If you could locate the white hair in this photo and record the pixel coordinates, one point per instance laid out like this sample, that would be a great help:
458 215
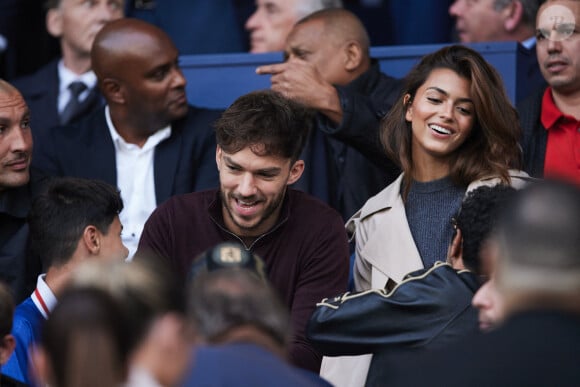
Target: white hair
306 7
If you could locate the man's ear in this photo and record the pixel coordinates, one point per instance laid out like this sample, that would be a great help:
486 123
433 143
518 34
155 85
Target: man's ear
92 239
54 22
455 255
353 56
113 91
295 172
7 345
513 14
218 157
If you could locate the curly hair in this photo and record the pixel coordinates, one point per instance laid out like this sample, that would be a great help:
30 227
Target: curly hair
477 217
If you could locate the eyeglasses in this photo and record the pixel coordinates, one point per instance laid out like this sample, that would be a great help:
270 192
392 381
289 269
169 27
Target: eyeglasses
558 32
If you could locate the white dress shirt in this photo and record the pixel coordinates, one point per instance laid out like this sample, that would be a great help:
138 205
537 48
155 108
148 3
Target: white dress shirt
136 182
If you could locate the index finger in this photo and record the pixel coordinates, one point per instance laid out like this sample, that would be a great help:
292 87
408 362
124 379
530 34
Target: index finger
270 69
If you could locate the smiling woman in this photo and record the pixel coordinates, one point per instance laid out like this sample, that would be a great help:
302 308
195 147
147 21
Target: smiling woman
452 129
441 118
453 126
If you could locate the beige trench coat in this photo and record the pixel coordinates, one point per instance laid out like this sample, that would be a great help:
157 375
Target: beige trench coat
385 252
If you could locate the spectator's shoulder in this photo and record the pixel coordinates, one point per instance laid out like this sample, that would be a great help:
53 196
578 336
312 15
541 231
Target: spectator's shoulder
197 112
318 218
532 103
37 82
26 317
191 201
308 205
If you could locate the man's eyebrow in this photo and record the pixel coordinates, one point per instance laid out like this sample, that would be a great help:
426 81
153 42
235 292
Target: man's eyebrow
270 170
229 160
4 120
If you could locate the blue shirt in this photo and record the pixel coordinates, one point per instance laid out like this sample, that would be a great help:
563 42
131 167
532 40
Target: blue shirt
245 364
28 319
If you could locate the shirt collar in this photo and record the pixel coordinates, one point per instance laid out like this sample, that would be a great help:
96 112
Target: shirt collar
141 376
120 142
529 42
43 297
550 114
67 77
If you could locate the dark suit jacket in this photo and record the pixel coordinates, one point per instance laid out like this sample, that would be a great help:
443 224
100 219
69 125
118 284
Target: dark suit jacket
40 91
20 265
534 135
536 348
342 173
528 70
183 163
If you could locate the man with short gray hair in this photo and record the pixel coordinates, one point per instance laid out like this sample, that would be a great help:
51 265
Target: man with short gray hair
65 89
503 20
495 20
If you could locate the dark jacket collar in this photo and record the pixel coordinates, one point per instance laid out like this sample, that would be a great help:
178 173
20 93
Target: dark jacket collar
366 82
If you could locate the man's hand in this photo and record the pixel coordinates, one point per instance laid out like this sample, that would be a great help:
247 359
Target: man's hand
302 82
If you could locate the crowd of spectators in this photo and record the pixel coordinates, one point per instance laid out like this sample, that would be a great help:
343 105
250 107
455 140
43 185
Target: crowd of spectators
342 227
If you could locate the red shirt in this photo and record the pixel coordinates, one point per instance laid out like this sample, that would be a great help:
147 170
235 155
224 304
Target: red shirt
563 148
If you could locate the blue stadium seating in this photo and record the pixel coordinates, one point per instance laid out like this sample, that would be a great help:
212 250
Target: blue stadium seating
216 80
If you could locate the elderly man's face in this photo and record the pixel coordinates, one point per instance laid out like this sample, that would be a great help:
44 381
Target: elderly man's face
76 22
477 20
15 140
308 42
270 24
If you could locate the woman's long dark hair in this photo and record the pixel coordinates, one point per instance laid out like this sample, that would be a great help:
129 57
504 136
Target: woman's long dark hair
492 147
